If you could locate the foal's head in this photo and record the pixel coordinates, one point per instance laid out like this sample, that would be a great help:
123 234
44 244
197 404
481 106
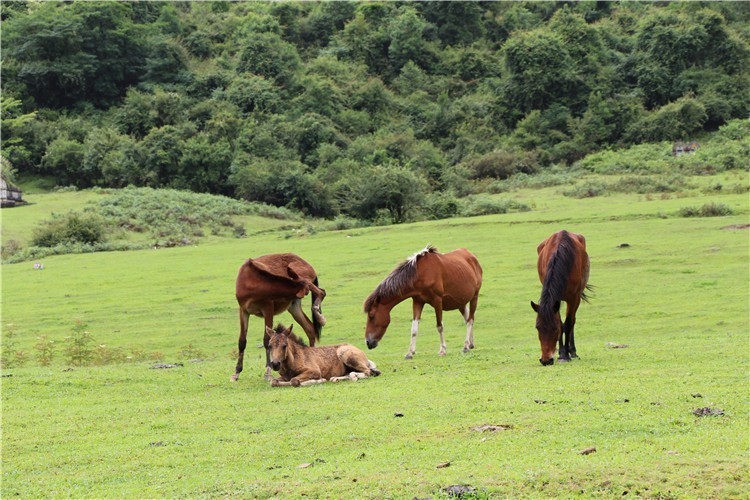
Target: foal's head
549 328
279 344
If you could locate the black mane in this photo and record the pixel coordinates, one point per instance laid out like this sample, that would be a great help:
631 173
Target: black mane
399 280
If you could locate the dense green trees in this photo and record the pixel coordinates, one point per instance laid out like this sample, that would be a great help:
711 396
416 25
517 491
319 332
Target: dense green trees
374 110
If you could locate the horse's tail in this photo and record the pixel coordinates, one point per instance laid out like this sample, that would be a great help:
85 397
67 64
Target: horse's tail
589 288
317 313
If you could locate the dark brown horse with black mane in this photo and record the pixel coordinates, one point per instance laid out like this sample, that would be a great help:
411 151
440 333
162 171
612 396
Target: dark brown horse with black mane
299 364
271 284
563 267
446 281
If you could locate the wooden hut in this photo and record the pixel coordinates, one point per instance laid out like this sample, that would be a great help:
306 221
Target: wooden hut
10 195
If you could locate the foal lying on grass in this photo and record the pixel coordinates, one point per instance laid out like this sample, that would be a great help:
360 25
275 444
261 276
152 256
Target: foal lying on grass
299 364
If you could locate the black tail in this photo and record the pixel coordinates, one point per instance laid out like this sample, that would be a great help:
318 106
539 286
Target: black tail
317 314
584 295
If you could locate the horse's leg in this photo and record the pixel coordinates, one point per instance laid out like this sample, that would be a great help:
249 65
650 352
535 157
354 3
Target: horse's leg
353 376
268 320
439 317
313 376
417 315
318 294
469 317
569 326
279 382
295 309
313 382
241 343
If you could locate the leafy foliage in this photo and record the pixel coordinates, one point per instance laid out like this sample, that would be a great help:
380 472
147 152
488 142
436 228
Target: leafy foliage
212 97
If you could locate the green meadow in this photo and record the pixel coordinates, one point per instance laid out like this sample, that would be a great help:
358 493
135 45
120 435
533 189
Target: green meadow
665 334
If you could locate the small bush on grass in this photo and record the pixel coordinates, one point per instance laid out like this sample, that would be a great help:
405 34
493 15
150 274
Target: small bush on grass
79 350
710 209
45 350
10 357
71 228
10 248
441 205
484 205
587 189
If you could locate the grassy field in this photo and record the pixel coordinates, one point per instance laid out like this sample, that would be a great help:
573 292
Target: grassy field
677 297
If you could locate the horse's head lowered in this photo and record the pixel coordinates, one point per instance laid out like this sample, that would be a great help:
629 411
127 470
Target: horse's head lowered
279 341
549 328
378 319
392 290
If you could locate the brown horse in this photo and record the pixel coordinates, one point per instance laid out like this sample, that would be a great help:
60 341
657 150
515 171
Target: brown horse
446 281
563 266
271 284
299 364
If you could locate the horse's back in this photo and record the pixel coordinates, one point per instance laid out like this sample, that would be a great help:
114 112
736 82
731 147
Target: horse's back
579 269
456 275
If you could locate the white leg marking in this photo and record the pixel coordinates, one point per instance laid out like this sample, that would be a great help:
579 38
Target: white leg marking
469 343
413 343
441 352
313 381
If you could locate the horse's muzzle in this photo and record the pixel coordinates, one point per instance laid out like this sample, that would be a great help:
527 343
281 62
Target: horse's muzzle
275 365
372 344
550 361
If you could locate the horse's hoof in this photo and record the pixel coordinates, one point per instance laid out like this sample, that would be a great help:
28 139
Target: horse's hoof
466 349
563 360
442 353
233 378
408 356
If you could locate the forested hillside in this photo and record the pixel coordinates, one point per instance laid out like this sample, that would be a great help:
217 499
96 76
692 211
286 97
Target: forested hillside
366 109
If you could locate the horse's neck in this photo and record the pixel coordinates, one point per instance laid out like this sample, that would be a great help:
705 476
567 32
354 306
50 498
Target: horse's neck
392 302
294 357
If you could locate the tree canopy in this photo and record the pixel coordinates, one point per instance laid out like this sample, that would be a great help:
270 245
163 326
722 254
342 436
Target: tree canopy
356 108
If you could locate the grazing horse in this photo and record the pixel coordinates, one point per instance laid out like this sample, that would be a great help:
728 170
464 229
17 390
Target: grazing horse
563 266
446 281
299 364
271 284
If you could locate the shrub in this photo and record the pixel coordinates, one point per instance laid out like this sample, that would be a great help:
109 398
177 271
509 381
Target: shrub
484 205
78 349
441 205
10 357
9 249
45 350
503 164
71 228
710 209
587 189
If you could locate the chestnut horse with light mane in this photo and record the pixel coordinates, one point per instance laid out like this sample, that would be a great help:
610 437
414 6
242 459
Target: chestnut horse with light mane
299 364
271 284
563 267
446 281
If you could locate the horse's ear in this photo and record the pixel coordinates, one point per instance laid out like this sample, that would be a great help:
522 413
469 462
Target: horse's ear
269 331
535 307
288 331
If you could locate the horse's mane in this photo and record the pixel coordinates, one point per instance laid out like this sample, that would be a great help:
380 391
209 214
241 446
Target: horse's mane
294 338
556 277
401 278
